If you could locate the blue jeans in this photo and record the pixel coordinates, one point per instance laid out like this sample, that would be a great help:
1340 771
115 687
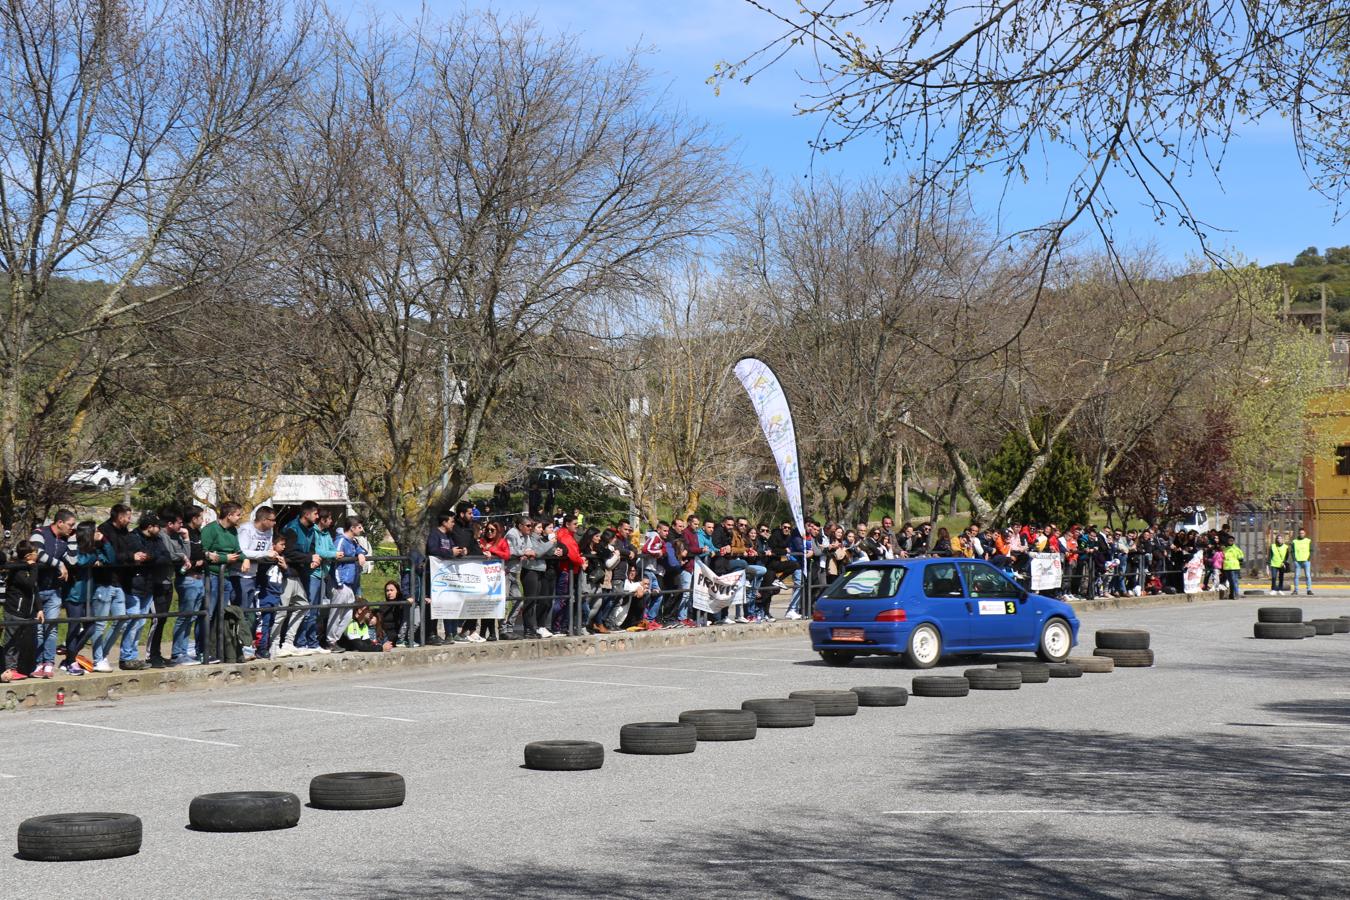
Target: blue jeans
137 604
76 632
1230 577
46 632
308 635
190 592
213 598
267 601
653 610
1306 568
109 600
686 595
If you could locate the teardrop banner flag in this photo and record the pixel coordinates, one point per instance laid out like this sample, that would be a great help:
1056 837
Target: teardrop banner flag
771 406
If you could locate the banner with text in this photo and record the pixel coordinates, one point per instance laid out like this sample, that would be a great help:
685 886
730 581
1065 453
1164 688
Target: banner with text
1193 575
714 593
775 418
1047 571
468 590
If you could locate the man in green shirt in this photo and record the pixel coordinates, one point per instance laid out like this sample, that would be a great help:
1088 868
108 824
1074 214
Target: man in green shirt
1301 548
220 546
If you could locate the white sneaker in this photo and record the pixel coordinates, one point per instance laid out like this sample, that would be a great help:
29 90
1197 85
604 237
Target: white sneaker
543 632
778 583
103 666
249 654
793 614
285 650
742 620
304 651
321 650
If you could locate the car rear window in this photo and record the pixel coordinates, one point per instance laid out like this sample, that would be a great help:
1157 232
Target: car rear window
869 583
939 580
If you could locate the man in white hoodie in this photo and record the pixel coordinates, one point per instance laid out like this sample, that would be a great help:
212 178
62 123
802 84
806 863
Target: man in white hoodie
255 543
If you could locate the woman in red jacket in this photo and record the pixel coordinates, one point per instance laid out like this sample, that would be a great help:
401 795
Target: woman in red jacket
570 564
493 544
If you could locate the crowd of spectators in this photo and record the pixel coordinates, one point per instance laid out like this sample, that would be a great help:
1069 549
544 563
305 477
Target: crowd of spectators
296 590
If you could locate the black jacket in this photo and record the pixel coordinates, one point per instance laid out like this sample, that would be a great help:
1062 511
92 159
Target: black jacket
156 558
119 540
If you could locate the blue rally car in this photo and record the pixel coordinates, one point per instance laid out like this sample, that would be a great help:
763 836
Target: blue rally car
924 608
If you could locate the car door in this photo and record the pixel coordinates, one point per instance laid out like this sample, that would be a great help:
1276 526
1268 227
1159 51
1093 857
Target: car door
995 607
944 601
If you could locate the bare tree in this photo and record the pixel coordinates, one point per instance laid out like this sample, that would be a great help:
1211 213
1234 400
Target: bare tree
475 185
117 121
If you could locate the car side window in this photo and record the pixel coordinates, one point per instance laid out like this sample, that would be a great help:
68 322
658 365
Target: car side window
985 582
939 580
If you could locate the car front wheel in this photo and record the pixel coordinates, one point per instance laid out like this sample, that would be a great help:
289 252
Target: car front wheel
1056 641
925 647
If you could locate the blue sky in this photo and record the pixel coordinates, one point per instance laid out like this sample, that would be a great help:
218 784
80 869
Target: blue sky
1264 209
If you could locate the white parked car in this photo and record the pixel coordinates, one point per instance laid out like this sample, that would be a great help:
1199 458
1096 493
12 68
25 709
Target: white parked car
575 471
97 475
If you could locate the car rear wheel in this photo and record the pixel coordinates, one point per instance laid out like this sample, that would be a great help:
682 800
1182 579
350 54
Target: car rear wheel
1056 641
835 658
925 647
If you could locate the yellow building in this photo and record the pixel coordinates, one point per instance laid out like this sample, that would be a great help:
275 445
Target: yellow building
1326 483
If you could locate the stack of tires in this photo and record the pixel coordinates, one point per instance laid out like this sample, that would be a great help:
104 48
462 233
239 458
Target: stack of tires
1126 647
1281 623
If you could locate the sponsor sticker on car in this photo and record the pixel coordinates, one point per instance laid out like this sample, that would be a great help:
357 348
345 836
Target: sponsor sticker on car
997 608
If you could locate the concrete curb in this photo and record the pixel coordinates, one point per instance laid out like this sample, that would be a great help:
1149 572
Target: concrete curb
41 693
1144 602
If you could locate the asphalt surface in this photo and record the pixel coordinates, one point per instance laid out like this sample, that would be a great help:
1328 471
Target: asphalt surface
1223 771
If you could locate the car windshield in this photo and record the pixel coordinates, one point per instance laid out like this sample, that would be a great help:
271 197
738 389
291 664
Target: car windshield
867 583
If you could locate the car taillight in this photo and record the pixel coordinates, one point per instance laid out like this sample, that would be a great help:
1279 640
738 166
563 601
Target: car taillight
817 616
891 615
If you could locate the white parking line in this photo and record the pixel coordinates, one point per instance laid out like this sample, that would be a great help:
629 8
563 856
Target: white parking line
154 734
330 712
669 687
1191 813
1035 860
376 687
669 669
738 658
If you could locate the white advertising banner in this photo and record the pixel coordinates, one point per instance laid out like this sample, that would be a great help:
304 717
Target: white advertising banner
714 593
471 589
1047 571
775 418
1193 575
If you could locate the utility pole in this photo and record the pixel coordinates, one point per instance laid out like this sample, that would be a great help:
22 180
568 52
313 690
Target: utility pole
1324 310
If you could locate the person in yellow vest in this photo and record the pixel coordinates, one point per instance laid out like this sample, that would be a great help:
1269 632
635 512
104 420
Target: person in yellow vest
1232 566
1301 549
1276 557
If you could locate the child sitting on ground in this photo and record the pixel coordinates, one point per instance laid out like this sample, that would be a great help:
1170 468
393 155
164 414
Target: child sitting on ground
363 630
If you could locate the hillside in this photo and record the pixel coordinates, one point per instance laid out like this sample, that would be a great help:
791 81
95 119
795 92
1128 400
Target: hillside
1309 272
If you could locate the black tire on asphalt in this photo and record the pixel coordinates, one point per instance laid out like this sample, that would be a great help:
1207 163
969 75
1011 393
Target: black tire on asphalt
1340 626
829 703
1093 665
995 679
1122 639
564 756
1064 670
1280 614
1032 672
1308 630
69 837
835 658
939 686
244 811
721 724
1323 626
782 712
1278 631
357 790
881 695
658 738
1127 659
